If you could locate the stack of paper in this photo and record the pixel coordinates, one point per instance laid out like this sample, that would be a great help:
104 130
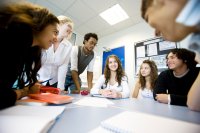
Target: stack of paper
135 122
94 102
28 119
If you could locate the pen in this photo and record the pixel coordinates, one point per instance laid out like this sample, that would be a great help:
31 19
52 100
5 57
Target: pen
46 80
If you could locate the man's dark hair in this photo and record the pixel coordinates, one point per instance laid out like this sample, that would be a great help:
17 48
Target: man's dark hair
186 55
88 35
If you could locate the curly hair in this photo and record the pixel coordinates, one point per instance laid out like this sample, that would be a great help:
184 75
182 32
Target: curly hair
88 35
187 56
120 72
153 74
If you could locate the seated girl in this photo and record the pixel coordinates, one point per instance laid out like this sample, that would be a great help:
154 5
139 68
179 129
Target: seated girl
113 83
147 76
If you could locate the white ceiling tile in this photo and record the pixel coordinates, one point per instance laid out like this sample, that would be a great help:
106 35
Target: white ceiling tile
54 9
63 4
97 24
80 11
100 5
85 14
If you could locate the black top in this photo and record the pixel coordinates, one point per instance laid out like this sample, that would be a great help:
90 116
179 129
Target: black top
16 40
178 88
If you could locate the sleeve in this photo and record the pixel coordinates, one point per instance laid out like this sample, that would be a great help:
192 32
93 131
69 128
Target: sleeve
95 89
160 86
125 91
91 64
74 58
189 15
62 70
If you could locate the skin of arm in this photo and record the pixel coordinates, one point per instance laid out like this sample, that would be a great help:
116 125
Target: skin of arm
26 90
162 98
136 90
89 79
76 81
193 101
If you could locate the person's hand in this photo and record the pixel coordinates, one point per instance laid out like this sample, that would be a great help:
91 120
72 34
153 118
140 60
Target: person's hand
63 92
115 94
162 98
35 88
105 93
75 91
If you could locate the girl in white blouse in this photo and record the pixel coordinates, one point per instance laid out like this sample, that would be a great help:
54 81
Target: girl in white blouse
55 60
147 76
113 83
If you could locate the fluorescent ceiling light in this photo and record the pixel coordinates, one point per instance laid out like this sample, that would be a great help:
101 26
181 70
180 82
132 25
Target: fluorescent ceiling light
114 15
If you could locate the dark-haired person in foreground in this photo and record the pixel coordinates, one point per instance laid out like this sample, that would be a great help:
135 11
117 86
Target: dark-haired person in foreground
25 29
174 20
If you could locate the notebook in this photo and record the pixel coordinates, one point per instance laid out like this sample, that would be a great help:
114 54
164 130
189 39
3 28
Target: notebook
52 98
135 122
29 119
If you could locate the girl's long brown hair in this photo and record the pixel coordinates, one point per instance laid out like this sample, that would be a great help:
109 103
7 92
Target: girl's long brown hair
120 71
153 74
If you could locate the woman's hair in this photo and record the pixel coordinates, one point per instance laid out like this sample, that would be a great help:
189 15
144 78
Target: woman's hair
37 19
187 56
120 71
66 20
153 74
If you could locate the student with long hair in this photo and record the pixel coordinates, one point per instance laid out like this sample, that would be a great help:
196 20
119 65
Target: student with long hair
113 83
148 74
25 29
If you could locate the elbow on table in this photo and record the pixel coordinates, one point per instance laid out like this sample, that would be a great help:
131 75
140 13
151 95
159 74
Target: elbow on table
192 106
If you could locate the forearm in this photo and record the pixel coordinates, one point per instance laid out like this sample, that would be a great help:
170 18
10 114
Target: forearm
76 80
89 79
22 92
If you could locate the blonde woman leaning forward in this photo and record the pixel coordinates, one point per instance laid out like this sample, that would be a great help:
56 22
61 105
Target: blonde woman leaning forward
55 60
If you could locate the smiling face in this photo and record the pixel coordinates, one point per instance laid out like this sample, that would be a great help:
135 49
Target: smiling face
112 64
173 62
162 15
46 37
145 70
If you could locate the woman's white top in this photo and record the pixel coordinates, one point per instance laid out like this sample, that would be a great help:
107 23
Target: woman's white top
54 64
123 88
145 93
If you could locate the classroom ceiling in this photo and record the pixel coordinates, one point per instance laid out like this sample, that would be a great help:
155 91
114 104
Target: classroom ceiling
85 14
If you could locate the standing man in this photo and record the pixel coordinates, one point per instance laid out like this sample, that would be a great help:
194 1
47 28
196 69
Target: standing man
173 85
81 57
